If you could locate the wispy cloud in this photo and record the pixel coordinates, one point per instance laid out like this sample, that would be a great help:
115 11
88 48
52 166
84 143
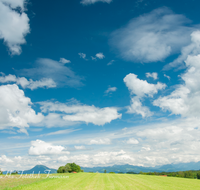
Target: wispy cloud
79 147
24 83
153 36
63 60
99 141
167 76
88 2
60 132
110 90
82 55
50 69
111 62
152 75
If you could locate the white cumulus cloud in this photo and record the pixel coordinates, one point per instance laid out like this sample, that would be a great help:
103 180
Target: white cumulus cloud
14 26
15 109
82 113
100 55
63 158
45 82
5 159
185 99
140 88
137 108
192 49
40 147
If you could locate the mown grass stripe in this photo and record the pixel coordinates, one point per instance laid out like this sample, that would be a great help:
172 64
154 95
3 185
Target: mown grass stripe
98 181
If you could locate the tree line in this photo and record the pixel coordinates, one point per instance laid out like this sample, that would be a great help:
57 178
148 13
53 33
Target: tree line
194 174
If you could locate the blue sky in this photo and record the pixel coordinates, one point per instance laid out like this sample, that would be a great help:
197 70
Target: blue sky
99 82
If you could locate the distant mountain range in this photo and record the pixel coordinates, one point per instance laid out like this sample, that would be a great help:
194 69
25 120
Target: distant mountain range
124 168
129 168
37 169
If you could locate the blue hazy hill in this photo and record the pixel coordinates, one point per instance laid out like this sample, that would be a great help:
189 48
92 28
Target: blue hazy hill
37 169
130 168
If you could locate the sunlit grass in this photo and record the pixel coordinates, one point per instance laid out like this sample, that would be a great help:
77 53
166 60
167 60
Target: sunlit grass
98 181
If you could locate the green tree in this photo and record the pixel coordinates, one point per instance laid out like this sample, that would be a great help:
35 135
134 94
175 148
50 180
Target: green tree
188 174
198 175
180 174
104 171
62 169
74 167
68 168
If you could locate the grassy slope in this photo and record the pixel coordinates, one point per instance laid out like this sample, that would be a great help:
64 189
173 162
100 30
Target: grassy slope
93 181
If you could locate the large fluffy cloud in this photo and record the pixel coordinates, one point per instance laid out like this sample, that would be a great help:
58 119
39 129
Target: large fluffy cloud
15 109
185 99
140 88
14 26
39 147
82 113
153 36
5 159
193 49
45 82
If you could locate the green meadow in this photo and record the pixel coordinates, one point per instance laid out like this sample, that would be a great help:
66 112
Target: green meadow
98 181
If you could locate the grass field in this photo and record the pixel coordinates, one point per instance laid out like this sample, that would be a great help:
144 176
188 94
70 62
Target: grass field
97 181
